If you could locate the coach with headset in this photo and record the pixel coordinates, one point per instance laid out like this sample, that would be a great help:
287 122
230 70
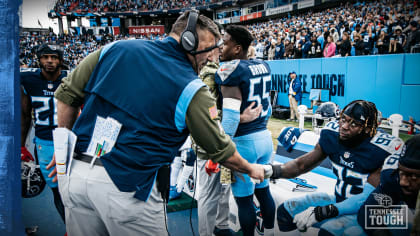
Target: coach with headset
152 89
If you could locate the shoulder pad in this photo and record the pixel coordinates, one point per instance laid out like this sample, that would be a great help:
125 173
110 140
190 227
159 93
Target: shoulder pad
391 162
387 142
332 125
227 68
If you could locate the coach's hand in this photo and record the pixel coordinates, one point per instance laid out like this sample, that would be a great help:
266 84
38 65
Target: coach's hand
250 113
257 172
54 171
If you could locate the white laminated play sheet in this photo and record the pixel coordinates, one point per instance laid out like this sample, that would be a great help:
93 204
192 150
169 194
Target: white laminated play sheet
104 136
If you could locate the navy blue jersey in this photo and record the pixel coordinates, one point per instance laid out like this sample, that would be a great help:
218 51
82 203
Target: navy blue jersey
387 193
41 94
253 77
352 166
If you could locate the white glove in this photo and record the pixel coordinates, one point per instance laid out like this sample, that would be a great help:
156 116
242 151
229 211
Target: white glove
305 219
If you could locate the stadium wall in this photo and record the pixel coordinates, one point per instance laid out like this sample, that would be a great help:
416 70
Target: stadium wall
392 82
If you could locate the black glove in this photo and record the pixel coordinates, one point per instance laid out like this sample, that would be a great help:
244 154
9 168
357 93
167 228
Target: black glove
325 212
277 172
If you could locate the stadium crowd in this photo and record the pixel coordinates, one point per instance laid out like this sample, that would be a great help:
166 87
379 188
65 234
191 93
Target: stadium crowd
385 27
76 47
125 5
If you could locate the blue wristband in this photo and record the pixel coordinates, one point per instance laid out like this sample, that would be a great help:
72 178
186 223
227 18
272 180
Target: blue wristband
230 121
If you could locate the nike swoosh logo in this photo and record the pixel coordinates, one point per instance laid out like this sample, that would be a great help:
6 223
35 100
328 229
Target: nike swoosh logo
398 147
224 69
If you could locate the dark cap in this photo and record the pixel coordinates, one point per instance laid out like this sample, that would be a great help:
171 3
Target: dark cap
357 112
49 49
413 23
410 153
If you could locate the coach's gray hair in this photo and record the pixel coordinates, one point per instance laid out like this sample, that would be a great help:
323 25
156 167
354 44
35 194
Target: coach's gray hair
203 23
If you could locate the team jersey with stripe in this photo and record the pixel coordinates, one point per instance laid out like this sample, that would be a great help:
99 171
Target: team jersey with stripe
253 77
352 166
41 94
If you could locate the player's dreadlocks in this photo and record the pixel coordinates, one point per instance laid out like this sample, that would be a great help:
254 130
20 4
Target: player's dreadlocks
363 112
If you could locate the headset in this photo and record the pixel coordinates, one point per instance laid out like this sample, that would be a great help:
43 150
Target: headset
189 37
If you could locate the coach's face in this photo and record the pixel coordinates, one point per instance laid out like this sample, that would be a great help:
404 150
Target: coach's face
206 39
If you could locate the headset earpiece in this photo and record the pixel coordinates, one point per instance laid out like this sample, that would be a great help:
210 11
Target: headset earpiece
189 38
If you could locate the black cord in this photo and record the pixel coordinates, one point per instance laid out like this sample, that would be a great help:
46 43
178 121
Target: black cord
165 202
195 186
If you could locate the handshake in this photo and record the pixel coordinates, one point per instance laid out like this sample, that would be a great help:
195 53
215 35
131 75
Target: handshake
270 171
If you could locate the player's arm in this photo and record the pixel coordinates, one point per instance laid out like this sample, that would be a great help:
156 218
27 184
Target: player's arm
25 122
232 99
299 165
207 132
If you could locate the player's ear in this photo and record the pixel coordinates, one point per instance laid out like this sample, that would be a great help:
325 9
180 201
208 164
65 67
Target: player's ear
238 49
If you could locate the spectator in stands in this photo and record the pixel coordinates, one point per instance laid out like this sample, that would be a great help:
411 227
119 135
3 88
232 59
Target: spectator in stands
394 46
382 43
298 51
330 47
345 45
259 50
399 37
288 49
315 50
272 50
279 54
358 45
320 38
306 46
414 36
334 34
368 38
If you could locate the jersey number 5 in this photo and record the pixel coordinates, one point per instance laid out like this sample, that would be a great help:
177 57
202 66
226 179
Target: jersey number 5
263 98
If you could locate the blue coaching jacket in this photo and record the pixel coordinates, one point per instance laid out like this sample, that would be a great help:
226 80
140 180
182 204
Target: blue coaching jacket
147 87
297 88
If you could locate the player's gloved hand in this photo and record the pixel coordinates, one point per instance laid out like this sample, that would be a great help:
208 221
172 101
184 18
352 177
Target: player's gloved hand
276 171
312 215
212 167
25 155
305 219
